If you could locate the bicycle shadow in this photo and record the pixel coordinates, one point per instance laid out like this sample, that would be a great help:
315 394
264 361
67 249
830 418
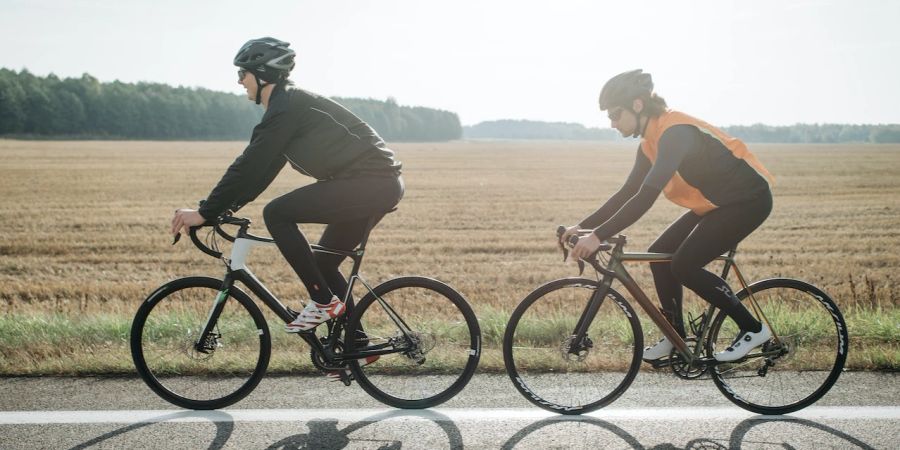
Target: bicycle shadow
323 433
742 436
223 422
522 434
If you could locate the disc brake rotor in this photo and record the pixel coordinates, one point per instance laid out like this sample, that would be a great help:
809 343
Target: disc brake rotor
580 354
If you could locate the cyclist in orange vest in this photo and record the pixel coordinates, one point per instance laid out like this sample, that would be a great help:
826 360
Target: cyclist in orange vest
699 167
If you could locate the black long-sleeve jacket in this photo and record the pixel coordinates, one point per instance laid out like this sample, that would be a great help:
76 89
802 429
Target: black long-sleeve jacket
319 137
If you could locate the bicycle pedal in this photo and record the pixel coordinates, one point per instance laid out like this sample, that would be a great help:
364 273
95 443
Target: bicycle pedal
660 363
343 376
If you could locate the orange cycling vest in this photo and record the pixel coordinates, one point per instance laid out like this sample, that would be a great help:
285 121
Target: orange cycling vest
677 189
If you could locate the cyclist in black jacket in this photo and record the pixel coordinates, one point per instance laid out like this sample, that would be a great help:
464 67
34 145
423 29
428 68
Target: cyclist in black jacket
357 175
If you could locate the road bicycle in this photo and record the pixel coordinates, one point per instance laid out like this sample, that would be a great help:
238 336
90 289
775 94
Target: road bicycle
575 344
202 343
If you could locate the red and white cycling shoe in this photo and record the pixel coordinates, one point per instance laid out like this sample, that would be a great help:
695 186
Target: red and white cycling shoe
314 314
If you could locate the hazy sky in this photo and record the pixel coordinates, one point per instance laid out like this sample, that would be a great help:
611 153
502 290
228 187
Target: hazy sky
729 62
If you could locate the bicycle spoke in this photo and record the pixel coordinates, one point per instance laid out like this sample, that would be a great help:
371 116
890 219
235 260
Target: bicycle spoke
430 327
552 370
164 340
800 367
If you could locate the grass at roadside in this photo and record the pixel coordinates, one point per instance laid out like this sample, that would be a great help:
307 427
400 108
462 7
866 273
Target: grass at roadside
57 344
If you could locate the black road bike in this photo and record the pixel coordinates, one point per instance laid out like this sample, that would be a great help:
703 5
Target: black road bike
203 343
575 344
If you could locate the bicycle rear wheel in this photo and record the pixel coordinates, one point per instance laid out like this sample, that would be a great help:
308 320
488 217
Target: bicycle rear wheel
166 328
796 369
434 332
538 342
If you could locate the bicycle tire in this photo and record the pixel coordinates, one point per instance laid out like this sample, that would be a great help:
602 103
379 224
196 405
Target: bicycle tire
179 373
415 301
539 363
811 328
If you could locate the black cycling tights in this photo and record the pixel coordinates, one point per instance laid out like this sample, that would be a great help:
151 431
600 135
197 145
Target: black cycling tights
346 206
697 240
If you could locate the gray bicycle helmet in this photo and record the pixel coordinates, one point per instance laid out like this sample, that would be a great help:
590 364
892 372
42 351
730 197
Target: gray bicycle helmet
268 58
623 88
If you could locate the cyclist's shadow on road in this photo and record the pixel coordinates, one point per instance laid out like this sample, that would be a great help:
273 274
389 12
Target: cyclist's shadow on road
324 433
749 431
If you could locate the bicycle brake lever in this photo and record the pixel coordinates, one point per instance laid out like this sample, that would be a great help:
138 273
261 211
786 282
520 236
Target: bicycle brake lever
177 238
580 267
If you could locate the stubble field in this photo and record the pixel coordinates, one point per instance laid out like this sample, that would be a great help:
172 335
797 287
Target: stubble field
85 240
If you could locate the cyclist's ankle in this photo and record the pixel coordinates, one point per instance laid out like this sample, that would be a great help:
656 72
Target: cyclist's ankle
323 301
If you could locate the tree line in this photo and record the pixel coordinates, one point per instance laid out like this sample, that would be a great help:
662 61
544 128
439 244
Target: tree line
84 108
529 129
799 133
817 133
50 107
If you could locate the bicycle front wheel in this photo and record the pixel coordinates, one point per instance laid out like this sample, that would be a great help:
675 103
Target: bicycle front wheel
434 335
559 375
218 373
802 360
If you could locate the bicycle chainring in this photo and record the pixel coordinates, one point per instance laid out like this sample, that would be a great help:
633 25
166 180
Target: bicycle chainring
320 363
683 369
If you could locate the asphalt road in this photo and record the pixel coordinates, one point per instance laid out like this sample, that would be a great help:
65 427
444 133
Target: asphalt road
861 411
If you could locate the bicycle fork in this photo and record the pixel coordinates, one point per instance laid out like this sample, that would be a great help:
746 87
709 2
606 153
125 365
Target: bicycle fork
204 343
580 340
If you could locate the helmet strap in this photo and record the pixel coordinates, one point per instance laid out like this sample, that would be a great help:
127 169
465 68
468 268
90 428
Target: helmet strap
638 131
259 88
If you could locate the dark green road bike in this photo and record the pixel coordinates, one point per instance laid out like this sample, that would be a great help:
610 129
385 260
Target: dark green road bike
575 344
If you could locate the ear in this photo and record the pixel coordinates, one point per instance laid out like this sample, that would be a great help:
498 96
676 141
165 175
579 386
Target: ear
637 105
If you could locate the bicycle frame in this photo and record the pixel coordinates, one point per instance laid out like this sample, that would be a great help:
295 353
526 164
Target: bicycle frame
615 270
237 270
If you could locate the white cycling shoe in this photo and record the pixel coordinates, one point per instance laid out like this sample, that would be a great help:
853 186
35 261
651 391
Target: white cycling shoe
743 343
662 349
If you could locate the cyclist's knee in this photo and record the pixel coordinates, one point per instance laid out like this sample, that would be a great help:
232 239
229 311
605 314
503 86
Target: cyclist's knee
271 214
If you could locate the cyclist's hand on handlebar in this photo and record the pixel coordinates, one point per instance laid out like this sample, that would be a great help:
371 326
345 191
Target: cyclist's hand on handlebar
565 236
184 219
587 246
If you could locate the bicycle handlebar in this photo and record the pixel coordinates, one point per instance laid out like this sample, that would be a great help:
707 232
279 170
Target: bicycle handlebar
572 241
225 219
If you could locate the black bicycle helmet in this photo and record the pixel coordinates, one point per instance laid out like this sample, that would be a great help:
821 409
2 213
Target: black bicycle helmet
623 88
268 58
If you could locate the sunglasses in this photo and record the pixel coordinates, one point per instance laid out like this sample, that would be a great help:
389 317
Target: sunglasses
241 74
615 113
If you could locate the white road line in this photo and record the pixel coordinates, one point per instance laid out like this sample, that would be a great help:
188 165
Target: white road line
448 414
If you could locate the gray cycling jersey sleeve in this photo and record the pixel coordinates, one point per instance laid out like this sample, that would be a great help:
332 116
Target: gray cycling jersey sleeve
674 145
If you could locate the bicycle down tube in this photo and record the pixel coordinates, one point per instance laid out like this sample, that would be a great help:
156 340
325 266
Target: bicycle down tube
616 270
238 271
